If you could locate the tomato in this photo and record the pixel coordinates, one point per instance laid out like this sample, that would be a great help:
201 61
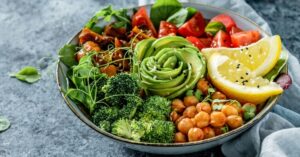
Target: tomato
196 42
226 20
221 39
166 28
244 38
235 30
206 41
141 18
193 27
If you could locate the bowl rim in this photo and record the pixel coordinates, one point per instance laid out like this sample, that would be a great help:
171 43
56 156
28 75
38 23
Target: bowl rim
244 127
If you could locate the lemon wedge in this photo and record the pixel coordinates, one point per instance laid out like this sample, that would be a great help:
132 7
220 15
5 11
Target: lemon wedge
238 82
259 57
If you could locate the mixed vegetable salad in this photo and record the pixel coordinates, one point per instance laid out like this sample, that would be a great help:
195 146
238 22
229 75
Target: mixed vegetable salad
173 76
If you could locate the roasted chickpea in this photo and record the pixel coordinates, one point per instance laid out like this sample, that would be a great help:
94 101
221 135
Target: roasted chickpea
110 70
203 106
194 121
202 119
234 121
185 125
203 86
218 131
179 119
217 119
218 95
180 137
190 112
174 116
190 101
195 134
177 105
229 110
236 105
208 132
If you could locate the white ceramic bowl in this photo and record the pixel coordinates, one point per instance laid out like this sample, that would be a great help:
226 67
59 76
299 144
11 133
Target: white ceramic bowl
171 148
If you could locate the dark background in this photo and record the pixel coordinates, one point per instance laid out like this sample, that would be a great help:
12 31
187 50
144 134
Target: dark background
42 125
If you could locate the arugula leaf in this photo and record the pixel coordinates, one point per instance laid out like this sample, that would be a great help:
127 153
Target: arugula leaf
225 129
278 67
67 55
4 124
162 9
28 74
181 16
249 111
213 27
120 16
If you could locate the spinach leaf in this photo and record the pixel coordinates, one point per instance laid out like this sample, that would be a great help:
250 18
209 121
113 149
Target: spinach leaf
278 67
163 9
67 55
28 74
181 16
4 123
213 28
120 16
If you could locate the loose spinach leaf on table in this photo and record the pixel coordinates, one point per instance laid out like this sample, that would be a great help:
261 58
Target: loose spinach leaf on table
28 74
67 55
181 16
4 123
163 9
120 16
278 67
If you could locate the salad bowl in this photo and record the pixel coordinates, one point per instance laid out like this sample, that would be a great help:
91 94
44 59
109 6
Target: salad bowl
170 148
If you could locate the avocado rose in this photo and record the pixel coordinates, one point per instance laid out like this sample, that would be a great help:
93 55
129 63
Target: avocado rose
168 66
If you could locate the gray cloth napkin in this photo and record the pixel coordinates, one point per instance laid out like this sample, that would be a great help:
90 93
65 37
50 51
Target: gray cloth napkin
271 136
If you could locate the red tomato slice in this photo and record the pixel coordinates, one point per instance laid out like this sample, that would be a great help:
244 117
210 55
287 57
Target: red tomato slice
141 18
206 41
221 39
235 30
166 28
196 42
244 38
226 20
193 27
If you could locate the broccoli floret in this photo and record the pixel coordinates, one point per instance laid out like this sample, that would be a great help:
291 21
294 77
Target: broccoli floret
105 125
155 108
130 129
105 113
118 87
133 102
158 131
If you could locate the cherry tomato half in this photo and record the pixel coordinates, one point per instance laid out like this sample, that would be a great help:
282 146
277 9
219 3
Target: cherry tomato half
166 28
196 42
141 18
193 27
226 20
221 39
244 38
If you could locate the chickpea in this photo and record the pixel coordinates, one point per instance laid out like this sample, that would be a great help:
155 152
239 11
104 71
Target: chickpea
179 119
236 105
91 46
208 132
190 101
229 110
234 121
174 116
194 121
217 119
195 134
190 112
202 119
177 105
185 125
110 70
203 86
218 95
203 106
180 137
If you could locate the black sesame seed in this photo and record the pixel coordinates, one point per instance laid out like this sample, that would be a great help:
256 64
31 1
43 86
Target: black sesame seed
247 73
246 48
242 77
236 81
250 55
257 86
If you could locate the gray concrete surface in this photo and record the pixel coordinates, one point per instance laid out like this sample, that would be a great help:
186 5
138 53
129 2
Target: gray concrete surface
42 125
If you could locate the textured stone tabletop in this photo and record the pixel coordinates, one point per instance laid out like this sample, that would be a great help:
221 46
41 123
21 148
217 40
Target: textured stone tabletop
31 32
